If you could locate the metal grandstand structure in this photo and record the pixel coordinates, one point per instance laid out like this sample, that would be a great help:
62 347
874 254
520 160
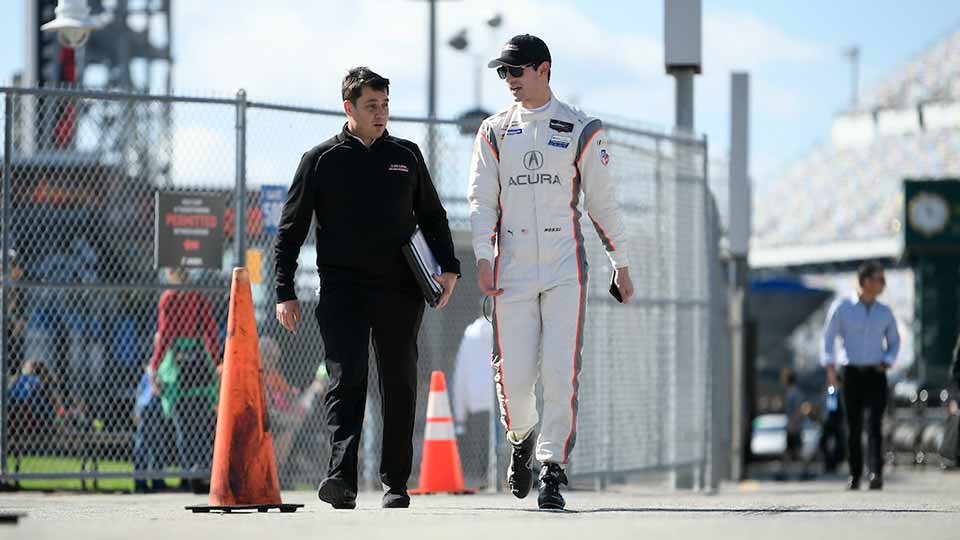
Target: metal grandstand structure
842 203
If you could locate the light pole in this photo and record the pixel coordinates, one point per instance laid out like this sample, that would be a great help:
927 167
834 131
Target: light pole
461 42
431 83
853 55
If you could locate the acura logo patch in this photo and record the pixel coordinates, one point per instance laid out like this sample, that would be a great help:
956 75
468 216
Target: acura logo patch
533 160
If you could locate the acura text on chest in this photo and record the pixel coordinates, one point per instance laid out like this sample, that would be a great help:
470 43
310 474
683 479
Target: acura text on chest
531 179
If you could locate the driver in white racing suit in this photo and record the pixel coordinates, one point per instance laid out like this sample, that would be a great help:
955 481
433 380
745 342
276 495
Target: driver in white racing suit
531 163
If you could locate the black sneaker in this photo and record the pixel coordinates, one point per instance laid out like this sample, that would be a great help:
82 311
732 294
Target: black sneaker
853 483
520 474
337 494
551 476
876 481
396 498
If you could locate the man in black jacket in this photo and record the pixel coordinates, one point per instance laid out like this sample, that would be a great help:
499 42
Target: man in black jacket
367 191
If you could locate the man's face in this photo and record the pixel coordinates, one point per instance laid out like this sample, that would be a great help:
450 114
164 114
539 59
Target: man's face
532 82
875 283
370 113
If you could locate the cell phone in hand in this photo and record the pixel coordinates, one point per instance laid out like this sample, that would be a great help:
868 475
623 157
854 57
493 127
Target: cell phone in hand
614 290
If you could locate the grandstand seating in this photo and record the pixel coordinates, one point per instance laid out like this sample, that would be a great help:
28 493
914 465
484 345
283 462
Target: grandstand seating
933 75
852 193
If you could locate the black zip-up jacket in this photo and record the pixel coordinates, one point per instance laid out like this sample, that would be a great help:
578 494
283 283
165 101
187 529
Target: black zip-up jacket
367 202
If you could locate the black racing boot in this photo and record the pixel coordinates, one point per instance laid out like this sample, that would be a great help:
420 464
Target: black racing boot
337 494
551 476
520 473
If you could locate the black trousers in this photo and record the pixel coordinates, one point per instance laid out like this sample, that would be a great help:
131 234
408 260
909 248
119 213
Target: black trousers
864 388
348 314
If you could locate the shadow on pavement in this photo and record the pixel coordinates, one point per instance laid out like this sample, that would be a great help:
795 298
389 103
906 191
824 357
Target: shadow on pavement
774 510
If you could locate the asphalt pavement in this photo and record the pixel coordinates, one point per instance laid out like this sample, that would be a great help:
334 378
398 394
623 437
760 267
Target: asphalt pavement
912 506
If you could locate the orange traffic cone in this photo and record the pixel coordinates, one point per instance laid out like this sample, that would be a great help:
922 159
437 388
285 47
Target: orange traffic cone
440 470
244 472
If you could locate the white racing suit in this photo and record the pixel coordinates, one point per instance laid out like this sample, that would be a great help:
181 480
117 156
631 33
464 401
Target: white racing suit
526 176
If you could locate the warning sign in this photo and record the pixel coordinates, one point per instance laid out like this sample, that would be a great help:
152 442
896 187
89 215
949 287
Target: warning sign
189 230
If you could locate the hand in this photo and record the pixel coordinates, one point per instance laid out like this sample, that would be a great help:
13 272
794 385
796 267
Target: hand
447 280
155 384
485 278
622 278
288 315
831 376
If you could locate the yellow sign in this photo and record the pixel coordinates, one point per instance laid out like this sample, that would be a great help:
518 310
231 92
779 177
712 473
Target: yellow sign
255 265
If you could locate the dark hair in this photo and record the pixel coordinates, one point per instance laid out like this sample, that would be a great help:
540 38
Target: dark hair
868 270
359 77
788 376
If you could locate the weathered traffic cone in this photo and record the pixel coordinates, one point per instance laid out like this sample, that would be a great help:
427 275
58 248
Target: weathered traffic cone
244 472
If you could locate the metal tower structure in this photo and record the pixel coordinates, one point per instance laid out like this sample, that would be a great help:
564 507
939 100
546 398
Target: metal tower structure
130 53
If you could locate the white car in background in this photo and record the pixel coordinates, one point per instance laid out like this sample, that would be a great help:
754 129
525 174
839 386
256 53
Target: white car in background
769 439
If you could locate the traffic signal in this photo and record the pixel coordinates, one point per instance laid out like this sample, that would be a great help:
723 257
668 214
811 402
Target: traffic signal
48 48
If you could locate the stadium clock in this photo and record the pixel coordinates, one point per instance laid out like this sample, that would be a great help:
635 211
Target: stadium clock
929 213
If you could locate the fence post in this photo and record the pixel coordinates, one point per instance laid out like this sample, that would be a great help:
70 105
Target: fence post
5 220
662 270
240 190
706 470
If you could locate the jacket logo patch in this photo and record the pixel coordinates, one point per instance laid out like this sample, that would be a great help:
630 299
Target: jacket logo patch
604 157
514 131
559 141
561 126
533 160
397 167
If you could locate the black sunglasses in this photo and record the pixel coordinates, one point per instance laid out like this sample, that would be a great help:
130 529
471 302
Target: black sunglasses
514 71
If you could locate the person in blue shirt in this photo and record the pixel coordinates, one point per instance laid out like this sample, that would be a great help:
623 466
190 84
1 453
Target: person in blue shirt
868 331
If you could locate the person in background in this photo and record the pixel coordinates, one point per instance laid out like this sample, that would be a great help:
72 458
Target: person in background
184 371
868 330
473 397
953 380
283 401
16 319
832 442
34 400
796 411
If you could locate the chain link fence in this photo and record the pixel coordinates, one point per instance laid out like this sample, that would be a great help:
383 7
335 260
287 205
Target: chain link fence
81 297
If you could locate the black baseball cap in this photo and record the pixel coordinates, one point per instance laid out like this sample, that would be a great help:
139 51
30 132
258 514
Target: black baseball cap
522 50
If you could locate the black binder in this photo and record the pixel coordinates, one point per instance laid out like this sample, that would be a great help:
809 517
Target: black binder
423 265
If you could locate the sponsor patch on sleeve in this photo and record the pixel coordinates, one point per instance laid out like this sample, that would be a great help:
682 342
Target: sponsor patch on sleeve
514 131
561 126
604 156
